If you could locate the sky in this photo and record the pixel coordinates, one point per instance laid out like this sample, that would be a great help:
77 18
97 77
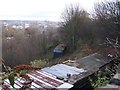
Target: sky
50 10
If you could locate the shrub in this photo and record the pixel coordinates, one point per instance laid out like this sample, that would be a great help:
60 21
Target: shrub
100 81
41 63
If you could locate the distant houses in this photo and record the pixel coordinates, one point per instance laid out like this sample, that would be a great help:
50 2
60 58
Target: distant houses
18 24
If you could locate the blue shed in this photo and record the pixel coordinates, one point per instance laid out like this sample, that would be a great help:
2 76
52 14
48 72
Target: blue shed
59 50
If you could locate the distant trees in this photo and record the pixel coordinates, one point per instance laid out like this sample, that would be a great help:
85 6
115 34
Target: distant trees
22 46
53 36
75 27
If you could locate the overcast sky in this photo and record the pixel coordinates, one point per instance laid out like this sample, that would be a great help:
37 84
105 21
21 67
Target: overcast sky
39 9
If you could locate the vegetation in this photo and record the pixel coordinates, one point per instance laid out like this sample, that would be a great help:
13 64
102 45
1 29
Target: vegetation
18 71
40 63
26 45
78 28
108 16
100 81
103 76
75 27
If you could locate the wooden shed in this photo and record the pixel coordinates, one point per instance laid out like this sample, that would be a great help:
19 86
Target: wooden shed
91 64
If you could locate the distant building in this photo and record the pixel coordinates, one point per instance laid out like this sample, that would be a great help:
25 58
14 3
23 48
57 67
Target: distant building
27 25
5 24
17 26
59 50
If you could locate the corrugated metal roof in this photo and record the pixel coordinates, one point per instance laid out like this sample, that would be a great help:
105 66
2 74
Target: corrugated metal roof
62 70
41 79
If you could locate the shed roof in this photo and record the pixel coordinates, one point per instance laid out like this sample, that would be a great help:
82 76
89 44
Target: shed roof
60 47
62 70
91 63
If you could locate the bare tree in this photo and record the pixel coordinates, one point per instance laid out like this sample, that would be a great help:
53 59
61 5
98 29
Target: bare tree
108 16
74 26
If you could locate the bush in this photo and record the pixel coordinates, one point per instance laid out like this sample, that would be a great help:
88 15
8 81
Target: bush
100 81
41 63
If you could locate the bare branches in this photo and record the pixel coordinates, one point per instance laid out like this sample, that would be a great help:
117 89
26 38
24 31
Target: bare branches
108 15
114 44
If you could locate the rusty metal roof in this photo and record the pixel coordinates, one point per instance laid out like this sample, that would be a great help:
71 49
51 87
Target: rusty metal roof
41 79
